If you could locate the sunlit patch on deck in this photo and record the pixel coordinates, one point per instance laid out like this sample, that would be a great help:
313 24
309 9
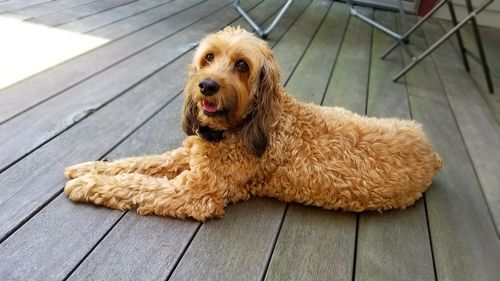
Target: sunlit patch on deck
29 48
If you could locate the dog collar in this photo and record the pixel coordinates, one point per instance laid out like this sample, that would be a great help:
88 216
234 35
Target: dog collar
210 134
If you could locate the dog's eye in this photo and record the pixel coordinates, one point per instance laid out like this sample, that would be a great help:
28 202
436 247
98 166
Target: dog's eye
209 57
242 66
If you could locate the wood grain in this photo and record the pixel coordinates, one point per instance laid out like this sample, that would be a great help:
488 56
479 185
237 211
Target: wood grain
309 79
42 123
393 245
478 126
315 244
67 15
348 84
133 10
34 90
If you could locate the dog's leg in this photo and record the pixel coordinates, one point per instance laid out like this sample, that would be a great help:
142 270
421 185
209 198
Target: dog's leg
191 194
169 164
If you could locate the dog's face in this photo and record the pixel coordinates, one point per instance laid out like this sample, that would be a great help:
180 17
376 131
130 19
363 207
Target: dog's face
233 83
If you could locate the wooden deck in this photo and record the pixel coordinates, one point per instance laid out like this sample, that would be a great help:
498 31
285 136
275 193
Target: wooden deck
123 98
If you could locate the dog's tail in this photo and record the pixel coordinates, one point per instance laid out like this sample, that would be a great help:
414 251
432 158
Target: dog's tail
438 162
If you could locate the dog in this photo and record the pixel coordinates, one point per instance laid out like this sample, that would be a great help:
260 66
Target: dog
248 137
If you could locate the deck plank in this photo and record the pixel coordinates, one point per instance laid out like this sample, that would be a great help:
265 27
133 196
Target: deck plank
383 237
47 8
14 5
129 11
42 123
38 253
67 15
464 240
291 47
30 92
45 236
158 240
309 79
80 227
314 244
20 187
139 143
235 247
24 194
477 125
491 40
463 236
197 256
348 84
315 233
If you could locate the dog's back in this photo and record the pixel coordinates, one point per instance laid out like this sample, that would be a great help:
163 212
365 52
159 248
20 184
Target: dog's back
333 158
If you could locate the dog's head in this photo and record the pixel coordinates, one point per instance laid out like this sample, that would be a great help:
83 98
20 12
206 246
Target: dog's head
233 85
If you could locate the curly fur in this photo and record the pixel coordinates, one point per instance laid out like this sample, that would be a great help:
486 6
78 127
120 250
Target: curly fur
273 146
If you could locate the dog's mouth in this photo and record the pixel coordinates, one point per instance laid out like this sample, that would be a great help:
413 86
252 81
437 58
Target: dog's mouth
211 108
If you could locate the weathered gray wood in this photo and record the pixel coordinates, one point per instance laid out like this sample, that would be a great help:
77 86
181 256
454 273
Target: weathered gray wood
348 85
392 245
99 135
393 94
235 247
146 140
309 80
67 15
478 127
159 241
464 240
30 92
31 199
111 16
152 18
39 255
314 244
54 241
491 40
48 7
34 180
19 187
423 80
314 233
203 260
291 47
13 5
41 123
127 244
58 247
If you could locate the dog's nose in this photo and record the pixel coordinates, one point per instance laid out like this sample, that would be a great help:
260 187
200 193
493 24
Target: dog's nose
208 87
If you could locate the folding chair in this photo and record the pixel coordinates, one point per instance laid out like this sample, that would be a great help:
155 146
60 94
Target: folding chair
456 29
262 33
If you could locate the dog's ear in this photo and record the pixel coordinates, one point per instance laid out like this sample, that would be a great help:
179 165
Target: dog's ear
189 110
256 131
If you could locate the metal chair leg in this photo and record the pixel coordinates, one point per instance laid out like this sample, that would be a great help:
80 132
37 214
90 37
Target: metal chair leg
482 54
396 36
459 36
413 28
262 33
471 15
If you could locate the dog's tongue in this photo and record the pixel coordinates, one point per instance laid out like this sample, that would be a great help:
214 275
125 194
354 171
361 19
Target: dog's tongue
210 107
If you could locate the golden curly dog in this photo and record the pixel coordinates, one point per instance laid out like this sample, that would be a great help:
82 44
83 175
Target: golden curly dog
248 137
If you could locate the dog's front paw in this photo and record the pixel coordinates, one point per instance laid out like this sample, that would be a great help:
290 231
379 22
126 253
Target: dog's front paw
100 190
78 170
79 189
